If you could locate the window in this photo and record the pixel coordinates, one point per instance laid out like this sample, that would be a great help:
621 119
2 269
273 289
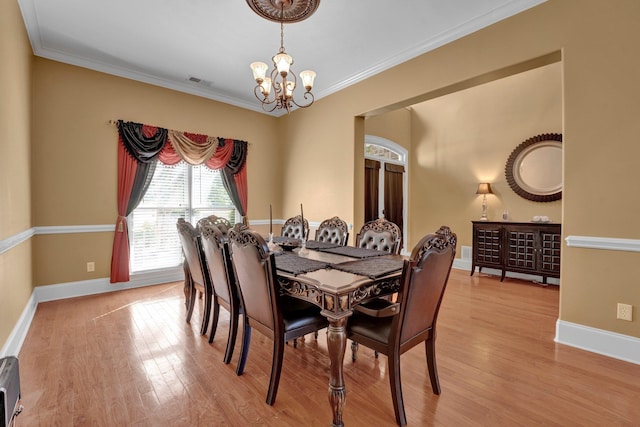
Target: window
180 191
377 151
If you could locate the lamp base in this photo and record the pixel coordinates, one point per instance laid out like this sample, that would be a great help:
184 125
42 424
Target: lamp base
484 208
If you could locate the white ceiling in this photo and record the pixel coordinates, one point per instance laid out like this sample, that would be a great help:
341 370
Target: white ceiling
165 42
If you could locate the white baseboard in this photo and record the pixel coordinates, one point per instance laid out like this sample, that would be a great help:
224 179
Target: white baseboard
611 344
76 289
14 343
99 286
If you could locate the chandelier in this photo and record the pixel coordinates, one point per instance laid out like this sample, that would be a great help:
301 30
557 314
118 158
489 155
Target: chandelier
277 90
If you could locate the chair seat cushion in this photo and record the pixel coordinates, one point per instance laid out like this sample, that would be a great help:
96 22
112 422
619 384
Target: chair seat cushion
374 328
298 314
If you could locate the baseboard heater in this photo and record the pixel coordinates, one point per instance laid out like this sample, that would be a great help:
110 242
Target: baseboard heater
9 391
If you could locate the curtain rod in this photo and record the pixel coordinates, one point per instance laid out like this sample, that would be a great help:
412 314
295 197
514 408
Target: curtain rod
115 123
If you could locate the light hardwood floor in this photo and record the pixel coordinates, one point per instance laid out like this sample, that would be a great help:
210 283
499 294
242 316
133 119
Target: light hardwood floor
129 359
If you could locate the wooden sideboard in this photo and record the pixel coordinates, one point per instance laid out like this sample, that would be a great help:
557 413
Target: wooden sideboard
522 247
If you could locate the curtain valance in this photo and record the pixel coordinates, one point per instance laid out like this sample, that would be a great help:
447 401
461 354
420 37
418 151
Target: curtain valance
148 143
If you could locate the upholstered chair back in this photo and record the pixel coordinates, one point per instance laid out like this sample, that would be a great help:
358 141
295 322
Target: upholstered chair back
221 223
216 253
293 228
333 230
381 235
255 275
189 238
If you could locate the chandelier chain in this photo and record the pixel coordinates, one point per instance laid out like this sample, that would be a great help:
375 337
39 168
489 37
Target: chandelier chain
281 37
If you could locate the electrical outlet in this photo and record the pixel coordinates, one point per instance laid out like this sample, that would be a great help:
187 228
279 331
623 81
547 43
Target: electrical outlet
625 312
91 266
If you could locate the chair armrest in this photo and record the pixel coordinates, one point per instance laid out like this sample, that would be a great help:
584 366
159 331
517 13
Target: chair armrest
378 307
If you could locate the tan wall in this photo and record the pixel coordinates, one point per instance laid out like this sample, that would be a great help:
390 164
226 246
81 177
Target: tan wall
457 140
75 157
15 183
601 154
315 173
466 137
394 126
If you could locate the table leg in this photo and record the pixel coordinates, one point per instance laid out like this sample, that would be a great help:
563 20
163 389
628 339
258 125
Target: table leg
336 343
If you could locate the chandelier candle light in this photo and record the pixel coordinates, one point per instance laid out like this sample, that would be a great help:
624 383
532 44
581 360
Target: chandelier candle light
277 90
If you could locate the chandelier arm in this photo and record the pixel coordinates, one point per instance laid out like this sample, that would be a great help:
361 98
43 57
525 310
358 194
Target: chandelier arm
275 84
269 110
305 96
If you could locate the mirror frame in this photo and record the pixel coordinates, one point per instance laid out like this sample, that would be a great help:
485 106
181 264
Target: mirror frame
515 160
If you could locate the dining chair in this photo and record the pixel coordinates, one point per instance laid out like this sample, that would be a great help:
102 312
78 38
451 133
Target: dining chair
392 328
223 224
293 228
279 317
381 235
225 292
333 230
196 273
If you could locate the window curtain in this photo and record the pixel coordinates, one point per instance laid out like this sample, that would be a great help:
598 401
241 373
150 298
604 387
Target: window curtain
371 173
137 151
393 195
234 175
141 146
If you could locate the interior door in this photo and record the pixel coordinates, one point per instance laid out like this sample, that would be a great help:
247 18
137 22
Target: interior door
393 194
383 191
371 189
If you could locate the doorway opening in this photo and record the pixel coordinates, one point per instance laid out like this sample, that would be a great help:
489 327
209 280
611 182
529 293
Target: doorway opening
386 182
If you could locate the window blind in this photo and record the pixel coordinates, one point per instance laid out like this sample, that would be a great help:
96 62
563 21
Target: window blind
179 191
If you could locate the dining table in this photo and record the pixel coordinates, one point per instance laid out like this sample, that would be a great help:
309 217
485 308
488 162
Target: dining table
336 279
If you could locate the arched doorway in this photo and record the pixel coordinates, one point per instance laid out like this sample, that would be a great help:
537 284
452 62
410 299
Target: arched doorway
386 172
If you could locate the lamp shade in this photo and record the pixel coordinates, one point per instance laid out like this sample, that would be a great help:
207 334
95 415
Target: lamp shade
265 86
484 188
307 77
283 62
259 71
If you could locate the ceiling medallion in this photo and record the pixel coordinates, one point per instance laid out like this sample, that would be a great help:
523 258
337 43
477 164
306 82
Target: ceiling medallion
286 11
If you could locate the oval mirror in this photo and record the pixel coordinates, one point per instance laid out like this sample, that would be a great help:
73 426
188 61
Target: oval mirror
534 168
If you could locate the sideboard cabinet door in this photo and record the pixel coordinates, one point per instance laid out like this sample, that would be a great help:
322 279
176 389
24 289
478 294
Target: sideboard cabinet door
487 245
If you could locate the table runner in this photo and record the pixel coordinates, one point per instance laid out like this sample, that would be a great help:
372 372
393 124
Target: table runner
294 264
280 239
353 252
370 267
315 245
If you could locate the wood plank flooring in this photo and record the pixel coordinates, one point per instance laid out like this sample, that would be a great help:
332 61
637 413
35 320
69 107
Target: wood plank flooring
129 359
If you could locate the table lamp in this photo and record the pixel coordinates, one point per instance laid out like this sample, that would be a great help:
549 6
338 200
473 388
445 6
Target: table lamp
484 188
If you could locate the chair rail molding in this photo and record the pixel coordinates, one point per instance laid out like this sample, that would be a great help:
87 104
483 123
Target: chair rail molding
13 241
68 229
608 243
